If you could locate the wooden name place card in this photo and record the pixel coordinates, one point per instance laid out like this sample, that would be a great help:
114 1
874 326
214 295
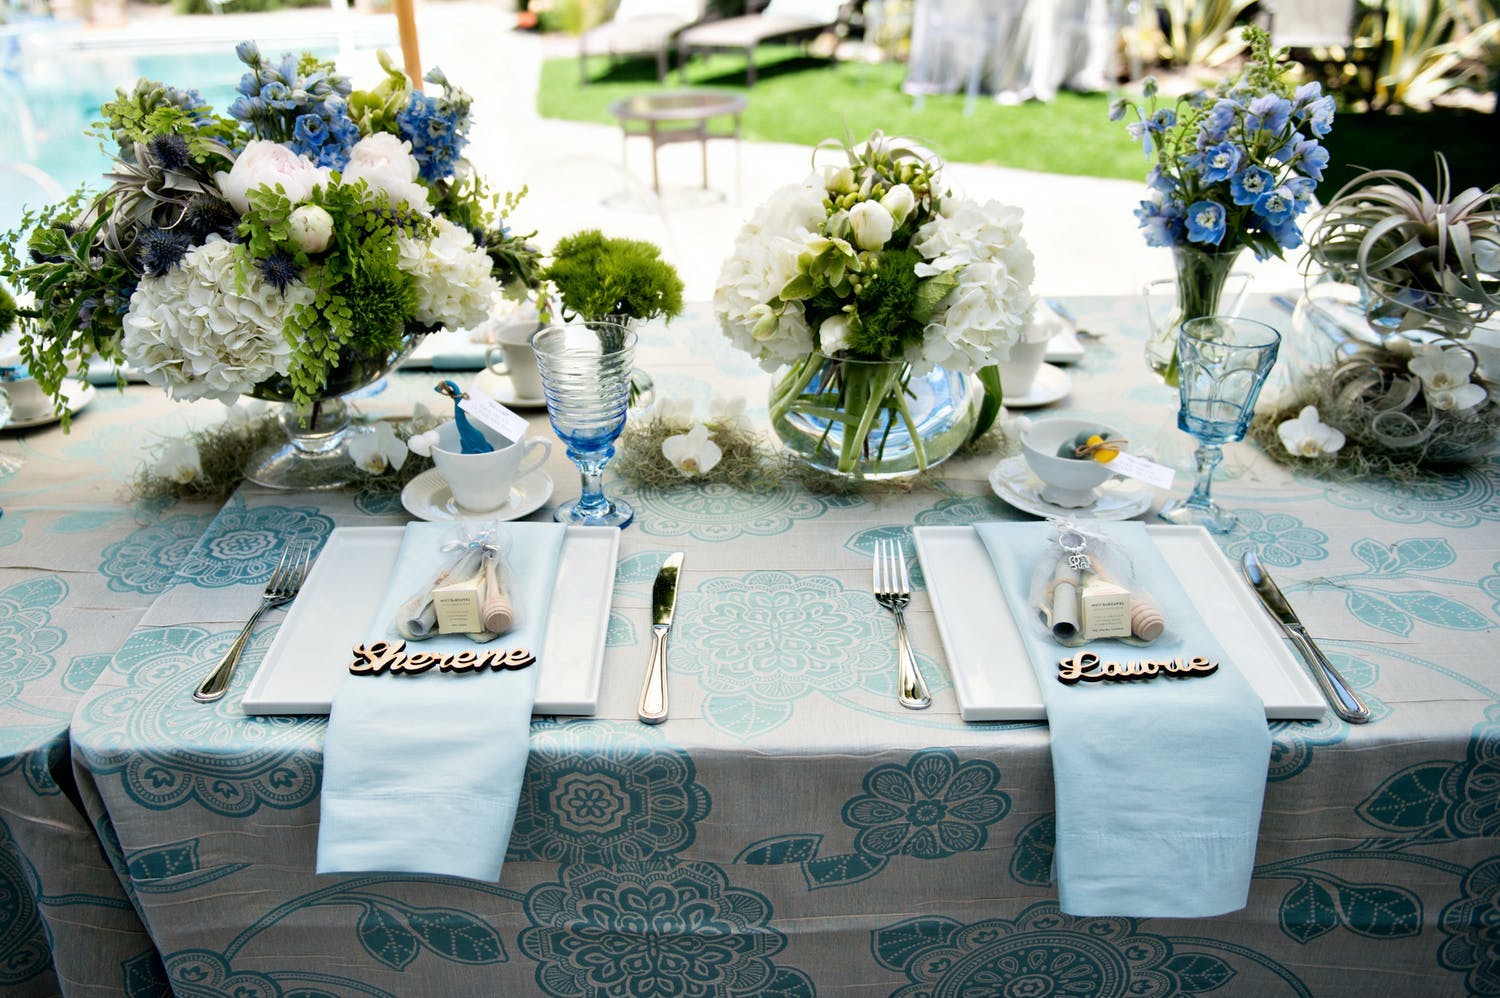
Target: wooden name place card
392 657
1090 668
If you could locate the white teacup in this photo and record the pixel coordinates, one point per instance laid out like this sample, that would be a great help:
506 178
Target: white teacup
516 360
481 483
1018 372
27 400
1068 482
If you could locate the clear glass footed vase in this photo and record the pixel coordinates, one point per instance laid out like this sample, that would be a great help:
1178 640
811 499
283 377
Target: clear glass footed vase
871 419
315 454
1202 277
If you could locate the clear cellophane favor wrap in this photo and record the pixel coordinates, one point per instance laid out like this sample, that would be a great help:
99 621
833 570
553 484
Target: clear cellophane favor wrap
1084 588
478 560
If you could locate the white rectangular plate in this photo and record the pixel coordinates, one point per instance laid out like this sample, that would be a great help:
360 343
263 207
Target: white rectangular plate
309 658
987 659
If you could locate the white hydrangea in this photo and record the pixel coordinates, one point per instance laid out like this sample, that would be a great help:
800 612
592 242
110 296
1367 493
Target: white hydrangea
980 244
210 328
454 285
747 296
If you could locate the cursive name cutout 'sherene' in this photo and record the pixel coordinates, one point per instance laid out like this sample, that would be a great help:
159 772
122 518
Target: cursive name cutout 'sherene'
1088 667
392 656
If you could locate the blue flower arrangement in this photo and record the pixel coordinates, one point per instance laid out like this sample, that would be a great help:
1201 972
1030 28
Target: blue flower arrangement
1235 168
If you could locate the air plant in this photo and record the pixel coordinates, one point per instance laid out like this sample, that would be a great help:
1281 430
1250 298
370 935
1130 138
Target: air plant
1422 255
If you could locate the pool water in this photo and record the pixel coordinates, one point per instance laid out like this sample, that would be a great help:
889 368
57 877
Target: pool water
46 104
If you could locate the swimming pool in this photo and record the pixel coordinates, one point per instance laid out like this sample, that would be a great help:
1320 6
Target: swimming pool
47 102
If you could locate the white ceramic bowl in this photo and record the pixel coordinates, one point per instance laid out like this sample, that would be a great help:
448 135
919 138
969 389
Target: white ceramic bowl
1068 482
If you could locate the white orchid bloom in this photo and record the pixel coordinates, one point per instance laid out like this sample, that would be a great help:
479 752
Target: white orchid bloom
179 462
1445 376
727 411
671 412
377 448
692 453
1309 436
244 411
421 444
872 224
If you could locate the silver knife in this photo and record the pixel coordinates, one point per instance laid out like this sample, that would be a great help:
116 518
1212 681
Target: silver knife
1344 701
653 706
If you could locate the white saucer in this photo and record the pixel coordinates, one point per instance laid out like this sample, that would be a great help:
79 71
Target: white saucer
76 394
427 497
1117 499
1052 384
503 390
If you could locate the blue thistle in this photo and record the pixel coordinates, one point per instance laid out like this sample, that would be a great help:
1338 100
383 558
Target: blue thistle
161 250
170 150
279 270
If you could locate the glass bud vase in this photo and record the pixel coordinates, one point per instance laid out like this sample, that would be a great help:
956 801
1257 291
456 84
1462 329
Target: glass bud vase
871 419
1201 277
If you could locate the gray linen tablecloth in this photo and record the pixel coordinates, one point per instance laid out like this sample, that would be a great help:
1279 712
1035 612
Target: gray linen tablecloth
789 830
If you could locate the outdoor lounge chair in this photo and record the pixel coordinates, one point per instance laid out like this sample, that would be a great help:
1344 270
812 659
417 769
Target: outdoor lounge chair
640 27
782 20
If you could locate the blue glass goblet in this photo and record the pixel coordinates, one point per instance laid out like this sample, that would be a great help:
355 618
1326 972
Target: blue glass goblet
585 370
1223 362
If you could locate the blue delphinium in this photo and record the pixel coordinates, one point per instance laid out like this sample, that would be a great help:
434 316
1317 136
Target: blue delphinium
1236 168
276 97
436 127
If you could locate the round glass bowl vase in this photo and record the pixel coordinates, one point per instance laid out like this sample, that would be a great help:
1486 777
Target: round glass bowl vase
873 420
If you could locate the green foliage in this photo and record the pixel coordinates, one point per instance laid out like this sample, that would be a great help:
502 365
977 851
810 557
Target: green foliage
1431 48
1200 32
152 108
601 276
79 293
7 311
241 6
887 305
361 260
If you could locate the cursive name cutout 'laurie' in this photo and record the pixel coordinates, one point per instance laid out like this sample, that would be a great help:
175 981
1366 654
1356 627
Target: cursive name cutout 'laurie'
392 656
1090 668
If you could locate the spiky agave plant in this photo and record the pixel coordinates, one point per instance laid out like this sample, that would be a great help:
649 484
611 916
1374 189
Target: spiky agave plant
1422 254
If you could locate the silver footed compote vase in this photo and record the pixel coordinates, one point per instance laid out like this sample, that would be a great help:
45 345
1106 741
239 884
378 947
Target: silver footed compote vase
315 454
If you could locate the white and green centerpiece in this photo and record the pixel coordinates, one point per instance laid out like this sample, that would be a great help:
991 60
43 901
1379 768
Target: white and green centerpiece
880 298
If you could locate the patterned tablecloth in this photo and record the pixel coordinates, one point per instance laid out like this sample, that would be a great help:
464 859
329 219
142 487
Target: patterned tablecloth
789 830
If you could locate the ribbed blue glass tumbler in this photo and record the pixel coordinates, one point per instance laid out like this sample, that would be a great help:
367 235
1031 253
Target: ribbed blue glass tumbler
585 370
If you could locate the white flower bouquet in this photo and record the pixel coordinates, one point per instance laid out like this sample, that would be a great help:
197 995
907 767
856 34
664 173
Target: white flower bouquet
867 283
292 250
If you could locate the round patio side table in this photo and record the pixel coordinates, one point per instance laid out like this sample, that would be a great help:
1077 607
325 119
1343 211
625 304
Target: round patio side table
678 116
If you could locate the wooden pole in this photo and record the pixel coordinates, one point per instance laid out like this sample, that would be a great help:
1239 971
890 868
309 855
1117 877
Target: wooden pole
406 23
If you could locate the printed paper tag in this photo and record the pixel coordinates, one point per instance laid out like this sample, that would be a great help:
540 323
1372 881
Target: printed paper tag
494 415
1139 468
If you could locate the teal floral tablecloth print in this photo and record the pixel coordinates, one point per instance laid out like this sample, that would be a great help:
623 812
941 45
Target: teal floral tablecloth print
789 830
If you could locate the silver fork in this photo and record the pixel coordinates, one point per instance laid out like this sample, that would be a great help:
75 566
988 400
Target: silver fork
281 589
892 589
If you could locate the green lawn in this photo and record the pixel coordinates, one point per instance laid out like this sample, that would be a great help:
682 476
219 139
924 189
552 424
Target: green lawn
802 100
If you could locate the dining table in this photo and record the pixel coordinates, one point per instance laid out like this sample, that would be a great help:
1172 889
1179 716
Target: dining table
790 829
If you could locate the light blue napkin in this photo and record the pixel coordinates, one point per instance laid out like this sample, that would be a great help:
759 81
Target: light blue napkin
1158 782
421 773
